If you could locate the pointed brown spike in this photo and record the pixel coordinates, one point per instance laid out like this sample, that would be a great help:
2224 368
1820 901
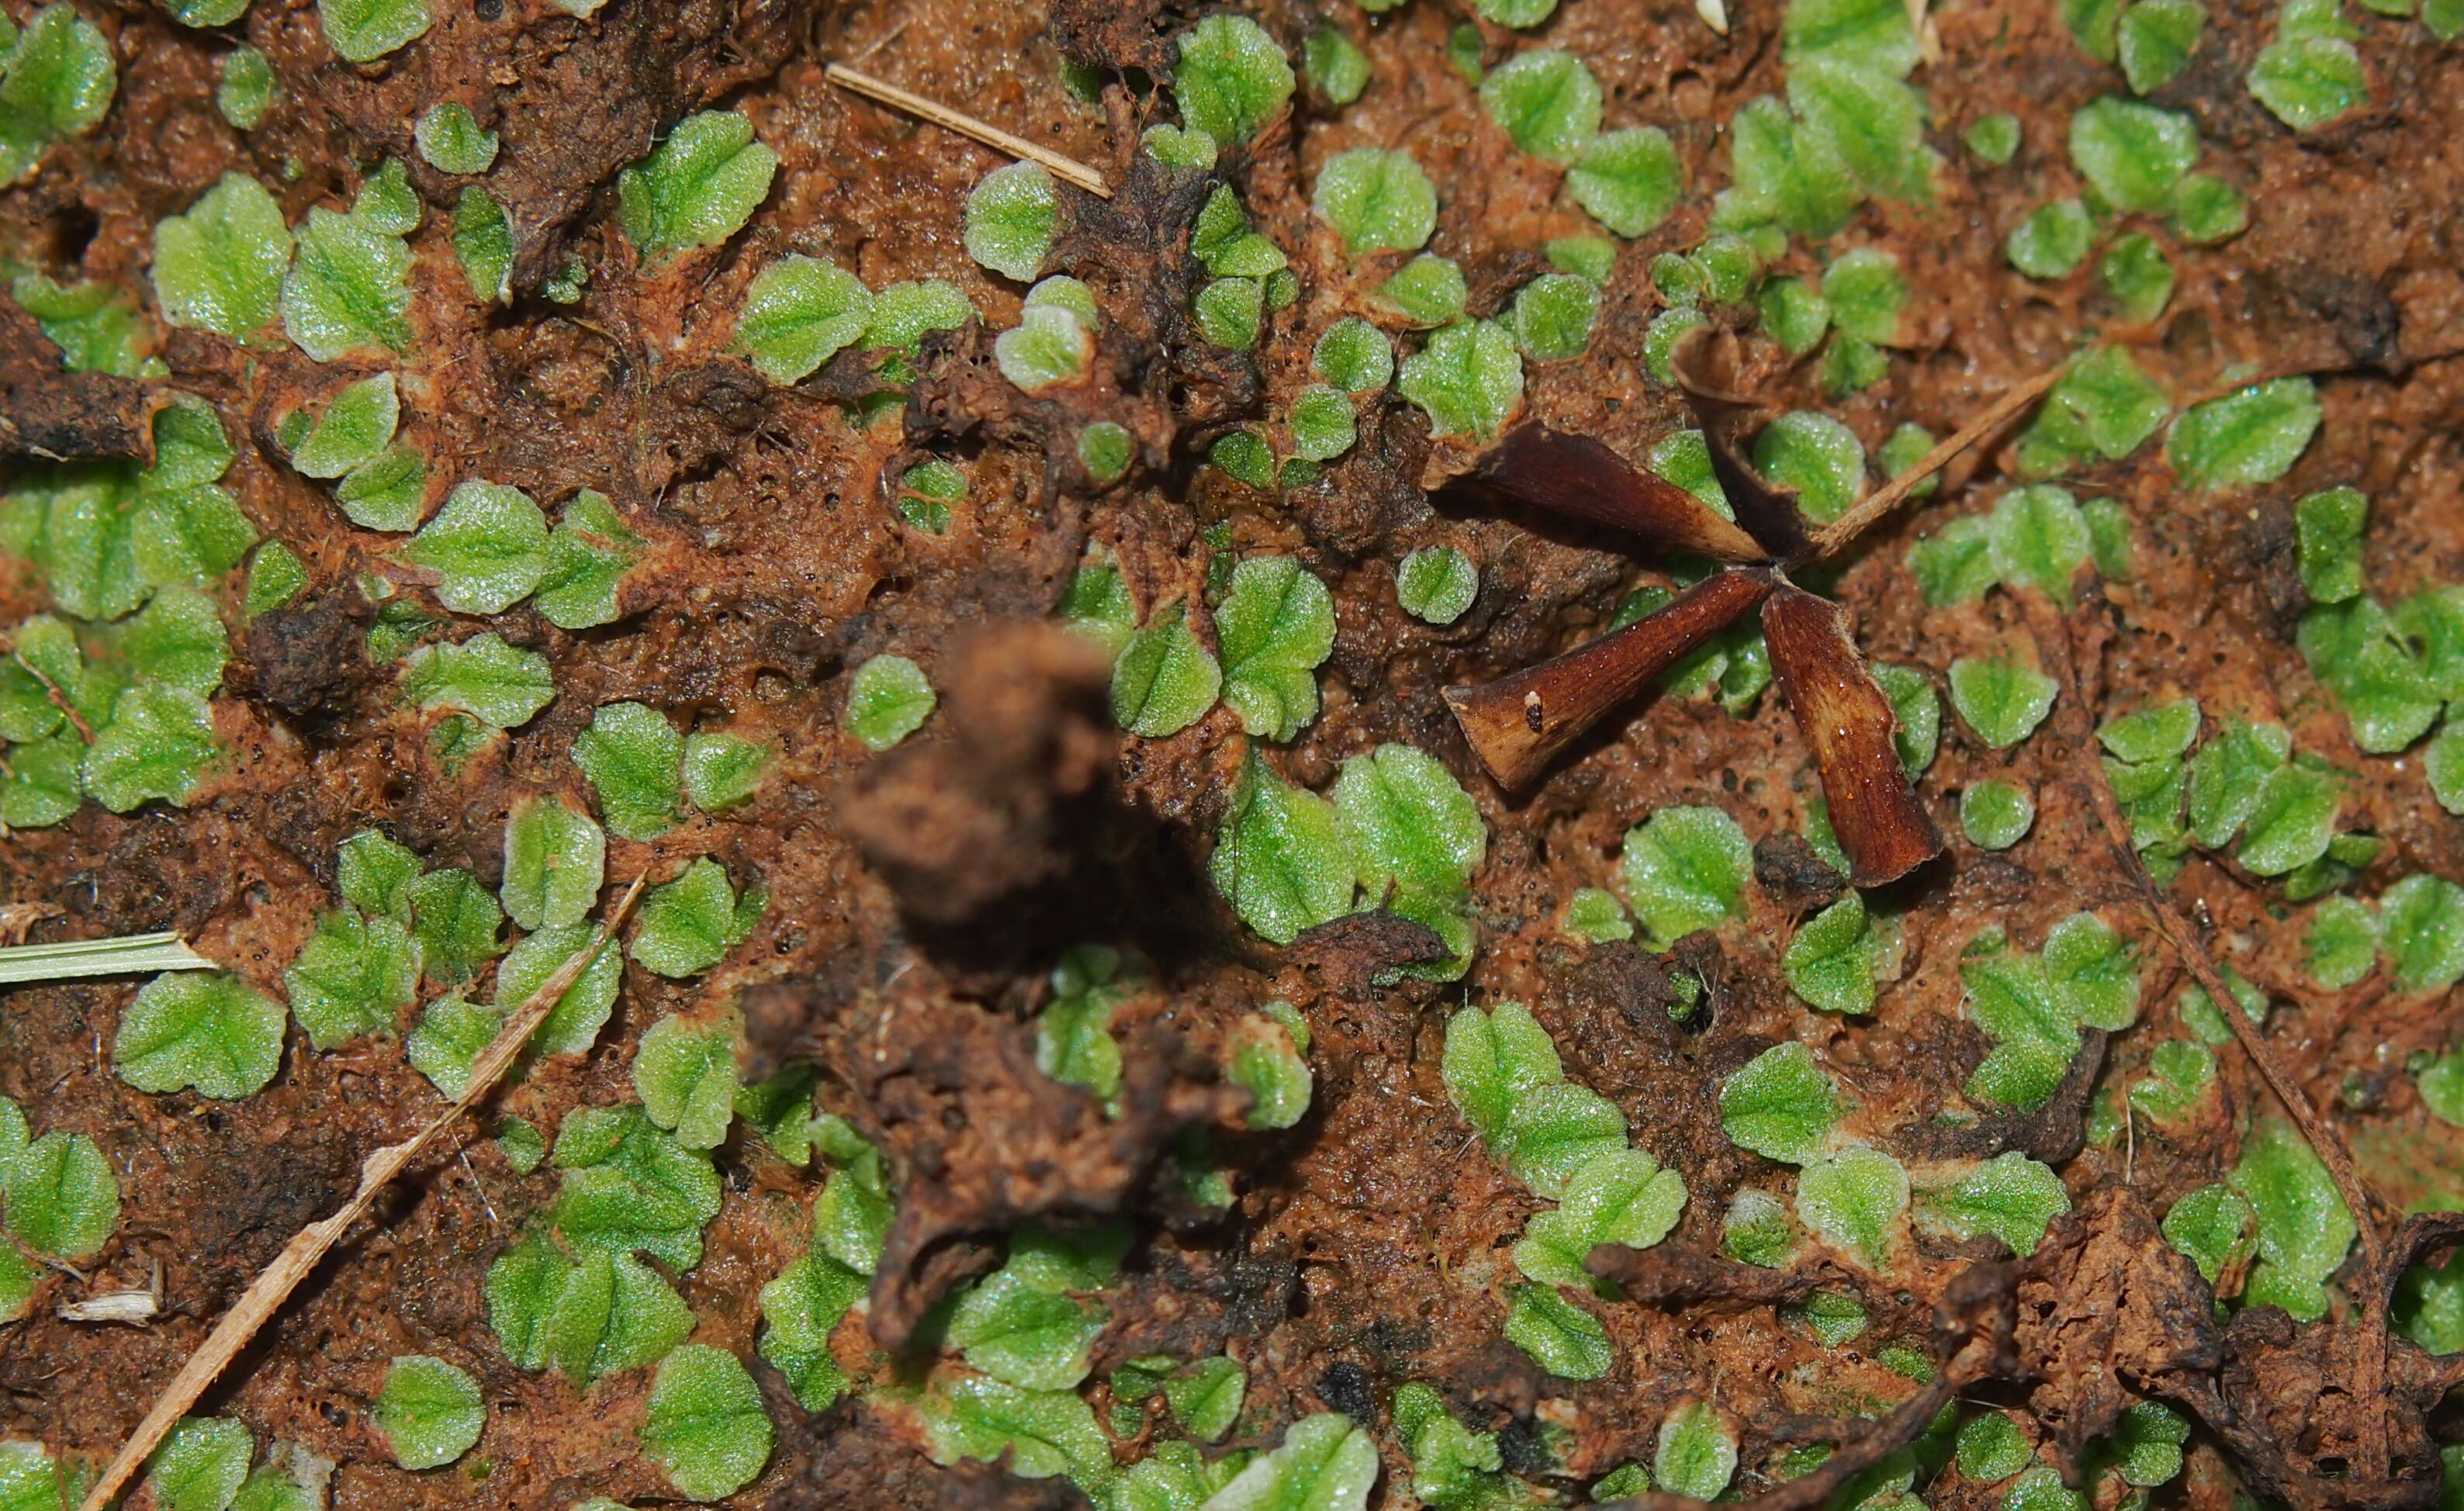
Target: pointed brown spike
1848 722
1579 476
1516 724
1765 513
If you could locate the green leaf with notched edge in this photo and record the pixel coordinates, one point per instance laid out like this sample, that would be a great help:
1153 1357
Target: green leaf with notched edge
1831 963
2038 538
2133 155
482 676
483 243
1695 1456
1353 356
451 140
1009 220
276 576
159 744
1995 815
1780 1105
1407 822
1560 1337
489 544
1436 584
2229 774
2253 436
1491 1059
2343 942
2421 923
2386 694
1044 1433
1955 564
1375 200
723 771
2327 527
781 1111
686 1077
2155 39
2308 76
1281 859
705 1424
1321 422
385 491
1865 291
697 188
1229 77
1546 101
1468 379
1619 1196
2213 1225
2136 273
1428 290
851 1218
2034 1030
1275 625
455 923
348 289
1686 868
611 1313
1991 1448
2303 1229
634 759
1853 1201
451 1035
353 977
1073 1040
1267 1060
572 1024
200 1029
1627 180
2002 702
201 1464
247 92
2182 1069
1816 455
887 700
2293 820
799 1310
588 553
1025 1336
1165 679
430 1412
96 326
1336 69
689 925
374 874
219 266
360 31
177 639
629 1187
1553 315
555 864
1552 1131
1756 1230
2010 1196
2052 240
522 1287
797 312
62 1197
2091 972
56 81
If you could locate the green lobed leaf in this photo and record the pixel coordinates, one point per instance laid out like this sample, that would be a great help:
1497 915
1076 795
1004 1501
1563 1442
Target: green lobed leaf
1073 1040
2292 823
696 188
1995 815
705 1424
1991 1448
1552 316
451 140
887 700
2342 943
2304 1228
1353 356
1780 1105
1281 858
1045 1432
2253 436
348 289
447 1042
2052 240
1375 200
482 676
360 31
2133 155
800 1309
353 977
489 544
1553 1131
219 266
1994 138
611 1313
2002 702
1436 584
1407 822
1229 77
1491 1059
797 312
2090 973
1545 101
356 424
1267 1060
430 1412
2134 270
1852 1201
1830 962
55 82
2010 1196
574 1023
2034 1029
1560 1337
2308 78
96 326
2213 1225
1426 291
2327 528
483 244
2038 538
1621 1196
686 1076
64 1199
2421 922
1695 1454
2155 41
555 864
2355 650
1817 456
1050 345
629 1186
455 924
634 759
1025 1336
202 1463
688 925
1686 868
1628 180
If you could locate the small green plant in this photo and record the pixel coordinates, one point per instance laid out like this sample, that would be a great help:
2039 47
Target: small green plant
2010 1196
1627 180
487 545
800 1309
1780 1105
2213 1226
689 925
362 31
2135 272
1553 315
1756 1230
1281 858
483 243
1994 138
723 771
1545 101
1991 1448
1073 1040
353 977
2037 538
705 1424
1695 1454
204 1029
1852 1201
484 677
2421 924
2155 41
219 266
1618 1197
2054 239
451 140
1229 77
1376 201
1428 290
887 700
697 188
430 1412
1165 678
2245 438
1321 422
1436 584
456 921
1817 456
1686 868
797 312
1353 356
2133 155
2310 74
1009 220
348 291
634 761
61 1196
2327 528
2181 1072
2303 1229
588 553
201 1464
1995 815
1269 1058
1452 1469
574 1023
1832 961
1560 1337
96 327
2343 942
57 82
1337 71
629 1186
686 1076
2000 701
356 426
1049 346
555 863
447 1042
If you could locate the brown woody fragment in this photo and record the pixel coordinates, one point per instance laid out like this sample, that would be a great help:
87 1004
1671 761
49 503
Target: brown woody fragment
1849 724
1579 476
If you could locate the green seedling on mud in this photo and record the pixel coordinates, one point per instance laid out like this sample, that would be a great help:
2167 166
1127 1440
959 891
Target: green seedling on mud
2105 407
2010 1196
1793 314
781 1111
798 314
588 553
362 31
1830 962
348 291
1073 1039
2012 998
2041 1489
1009 220
2343 942
2147 1447
1188 150
2327 528
1994 138
354 976
1103 450
1661 337
1918 709
697 188
1049 346
204 1029
1628 180
1545 101
2207 209
451 140
1267 1058
555 864
629 1186
1165 678
1695 1454
1376 201
686 1076
2135 275
634 761
1072 295
219 267
1221 238
2429 1309
689 925
723 771
2310 74
1336 69
2155 41
887 700
2303 1227
2133 155
2214 1226
159 744
1780 1105
574 1023
851 1218
705 1424
2091 972
1229 77
1408 822
1835 1319
430 1412
904 312
1321 422
1436 584
2228 776
1453 1469
1044 1433
500 686
457 923
177 639
356 424
1618 1197
1592 257
1686 868
1281 858
2000 701
1427 292
2036 537
1025 1335
1560 1337
483 243
1206 1396
374 875
56 81
387 492
2182 1071
1553 315
1245 456
1991 1448
1097 604
2052 240
60 1194
201 1464
599 1316
1852 1201
1865 294
488 545
1756 1228
1817 456
1995 815
96 327
800 1309
2245 438
447 1042
2357 650
2421 924
1229 312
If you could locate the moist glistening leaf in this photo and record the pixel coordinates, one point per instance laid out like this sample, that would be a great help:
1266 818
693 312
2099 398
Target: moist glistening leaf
696 188
634 759
705 1424
430 1412
1275 625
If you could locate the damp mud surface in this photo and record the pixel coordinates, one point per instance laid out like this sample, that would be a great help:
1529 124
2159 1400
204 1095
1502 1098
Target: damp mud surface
920 898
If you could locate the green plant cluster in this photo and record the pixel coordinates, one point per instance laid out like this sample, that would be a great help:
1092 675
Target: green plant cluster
56 81
2034 1006
1568 1145
2277 1212
59 1197
98 328
2393 670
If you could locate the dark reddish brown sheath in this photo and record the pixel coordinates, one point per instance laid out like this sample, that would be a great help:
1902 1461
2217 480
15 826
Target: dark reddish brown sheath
1849 724
1516 724
1763 511
1578 475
